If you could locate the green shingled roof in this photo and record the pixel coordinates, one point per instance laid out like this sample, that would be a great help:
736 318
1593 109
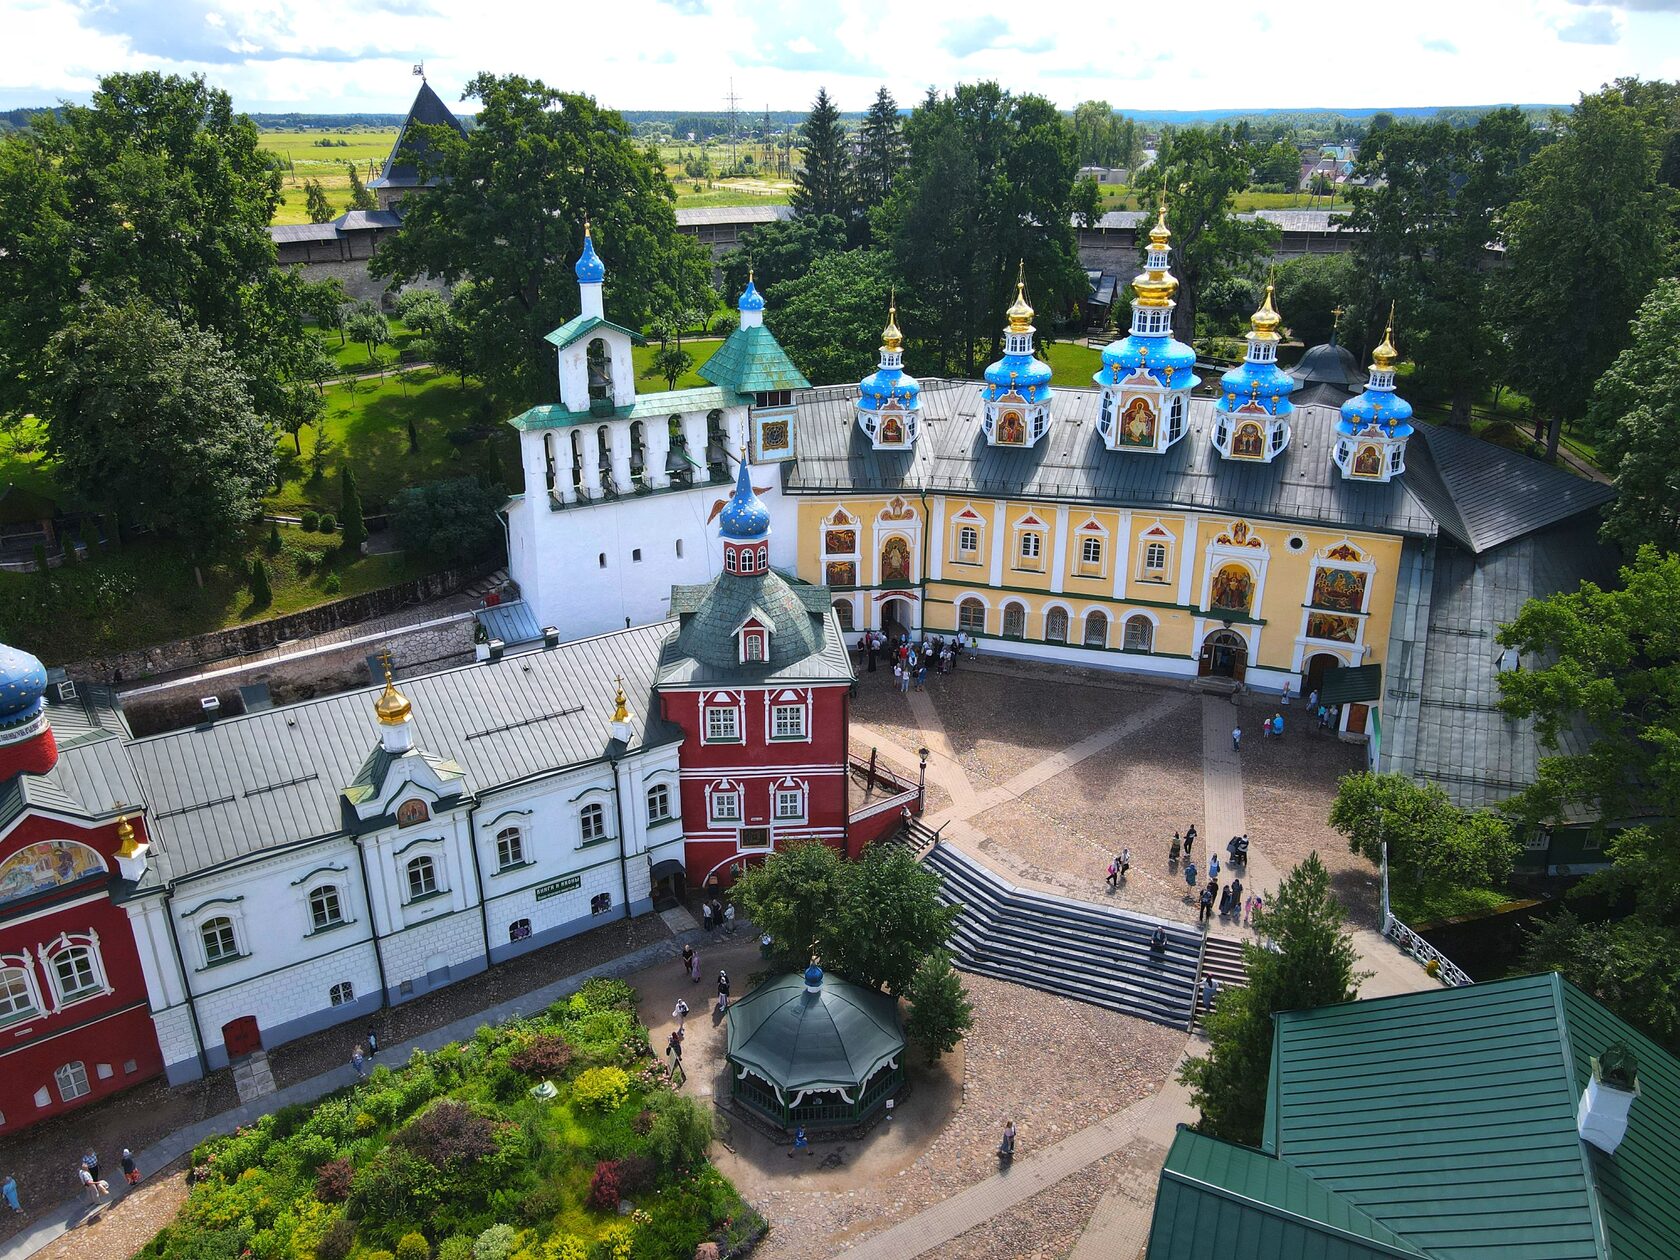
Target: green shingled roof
671 403
1220 1200
580 325
370 779
751 362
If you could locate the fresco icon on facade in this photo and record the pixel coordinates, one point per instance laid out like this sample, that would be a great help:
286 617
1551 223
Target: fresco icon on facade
1012 431
1332 628
1137 423
1233 588
895 560
41 867
1340 589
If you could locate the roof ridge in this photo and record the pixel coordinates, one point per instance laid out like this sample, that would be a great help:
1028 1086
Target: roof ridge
1272 1209
1601 1231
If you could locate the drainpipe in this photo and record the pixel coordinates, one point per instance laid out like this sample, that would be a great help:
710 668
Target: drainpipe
927 534
623 861
186 979
478 880
373 924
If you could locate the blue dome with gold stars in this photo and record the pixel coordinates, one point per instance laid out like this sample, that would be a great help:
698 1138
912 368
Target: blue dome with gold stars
23 683
744 516
751 298
1165 358
590 269
1378 404
1263 383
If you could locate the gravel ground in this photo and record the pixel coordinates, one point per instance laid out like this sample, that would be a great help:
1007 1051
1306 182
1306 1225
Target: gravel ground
1000 724
1045 1227
44 1157
122 1229
1086 1063
1137 792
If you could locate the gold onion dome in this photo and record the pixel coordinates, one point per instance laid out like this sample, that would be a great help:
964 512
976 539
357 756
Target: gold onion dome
1155 286
622 712
1385 356
1266 320
127 845
392 708
1020 313
891 338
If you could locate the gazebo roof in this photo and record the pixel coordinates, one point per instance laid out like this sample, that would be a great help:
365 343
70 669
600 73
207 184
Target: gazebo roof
838 1036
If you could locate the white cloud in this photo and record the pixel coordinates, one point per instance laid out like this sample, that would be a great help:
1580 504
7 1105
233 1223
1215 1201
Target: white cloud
324 55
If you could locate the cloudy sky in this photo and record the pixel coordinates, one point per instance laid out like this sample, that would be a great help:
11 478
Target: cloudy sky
356 55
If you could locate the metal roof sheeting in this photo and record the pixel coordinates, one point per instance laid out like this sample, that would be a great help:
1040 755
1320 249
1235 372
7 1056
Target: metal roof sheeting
235 787
708 216
751 361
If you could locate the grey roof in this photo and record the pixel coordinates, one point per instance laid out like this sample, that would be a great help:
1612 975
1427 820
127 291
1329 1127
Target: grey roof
222 791
1287 220
1441 720
706 216
293 233
805 640
1327 376
1071 464
430 111
839 1036
1484 495
512 622
367 220
349 221
93 777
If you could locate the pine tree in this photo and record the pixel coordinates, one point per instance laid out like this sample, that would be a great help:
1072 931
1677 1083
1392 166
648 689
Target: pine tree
1313 965
940 1012
824 184
360 197
262 594
315 202
350 521
883 150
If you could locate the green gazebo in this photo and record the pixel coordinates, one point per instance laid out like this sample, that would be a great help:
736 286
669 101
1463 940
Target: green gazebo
814 1051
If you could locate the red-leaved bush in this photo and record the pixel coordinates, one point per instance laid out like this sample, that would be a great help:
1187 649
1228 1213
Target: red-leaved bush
332 1181
603 1186
448 1134
547 1054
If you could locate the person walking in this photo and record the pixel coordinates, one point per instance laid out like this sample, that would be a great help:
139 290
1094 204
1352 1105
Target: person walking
673 1053
1210 990
1113 879
1206 902
687 959
729 919
1236 899
1006 1147
869 649
1125 862
358 1060
1286 695
706 917
1213 866
1277 725
1190 875
1312 701
8 1192
1158 940
1251 911
801 1143
679 1012
921 675
372 1041
723 991
90 1187
131 1170
1236 739
90 1161
694 968
1172 853
1189 839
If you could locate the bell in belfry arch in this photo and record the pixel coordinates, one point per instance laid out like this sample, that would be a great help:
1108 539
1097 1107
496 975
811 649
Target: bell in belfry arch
676 459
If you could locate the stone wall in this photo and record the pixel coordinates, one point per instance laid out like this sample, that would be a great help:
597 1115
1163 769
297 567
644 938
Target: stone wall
257 636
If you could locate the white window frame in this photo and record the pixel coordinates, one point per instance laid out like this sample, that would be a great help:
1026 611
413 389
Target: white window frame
337 894
223 953
788 801
73 1072
510 848
715 717
592 825
974 601
433 865
660 792
797 726
65 941
341 994
752 647
31 990
725 793
1029 548
967 550
1092 555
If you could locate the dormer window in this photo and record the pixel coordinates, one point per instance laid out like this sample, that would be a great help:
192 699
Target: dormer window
752 645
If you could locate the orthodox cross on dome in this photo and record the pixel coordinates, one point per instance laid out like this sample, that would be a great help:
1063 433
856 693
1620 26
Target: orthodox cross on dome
392 708
621 713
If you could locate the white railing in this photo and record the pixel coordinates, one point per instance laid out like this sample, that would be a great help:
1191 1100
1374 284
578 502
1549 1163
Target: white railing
1429 958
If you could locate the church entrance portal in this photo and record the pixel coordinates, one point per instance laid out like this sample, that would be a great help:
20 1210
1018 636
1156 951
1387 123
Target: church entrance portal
1224 655
1316 668
895 617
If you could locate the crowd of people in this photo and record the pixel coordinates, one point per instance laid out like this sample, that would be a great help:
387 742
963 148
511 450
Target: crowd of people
912 658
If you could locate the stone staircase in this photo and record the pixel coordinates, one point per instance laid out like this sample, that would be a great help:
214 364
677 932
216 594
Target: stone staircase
1222 958
1070 948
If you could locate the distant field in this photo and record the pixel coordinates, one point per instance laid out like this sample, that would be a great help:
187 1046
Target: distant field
1119 198
309 158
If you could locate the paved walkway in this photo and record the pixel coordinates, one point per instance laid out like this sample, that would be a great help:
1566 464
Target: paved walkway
75 1211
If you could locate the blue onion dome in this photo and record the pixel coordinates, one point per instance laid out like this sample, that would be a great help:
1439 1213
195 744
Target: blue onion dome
1379 404
23 681
1164 357
751 298
813 975
890 383
1169 361
1259 379
745 515
1019 369
590 269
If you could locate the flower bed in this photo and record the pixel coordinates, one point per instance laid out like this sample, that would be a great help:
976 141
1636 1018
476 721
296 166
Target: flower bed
453 1157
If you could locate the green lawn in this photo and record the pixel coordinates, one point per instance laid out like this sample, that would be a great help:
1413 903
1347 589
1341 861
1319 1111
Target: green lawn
1071 365
24 461
650 382
1414 906
353 354
686 196
1122 198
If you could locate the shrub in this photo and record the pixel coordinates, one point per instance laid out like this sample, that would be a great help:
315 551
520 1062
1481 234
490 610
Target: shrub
377 1255
308 521
262 594
546 1054
599 1037
454 520
448 1134
457 1247
332 585
636 1173
601 1089
494 1243
602 994
643 1122
681 1133
335 1244
603 1187
542 1204
274 543
332 1181
328 523
413 1246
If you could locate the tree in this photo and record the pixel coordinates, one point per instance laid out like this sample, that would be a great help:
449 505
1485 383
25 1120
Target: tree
509 214
823 183
325 301
1312 965
1310 289
262 594
671 361
988 186
156 191
454 520
793 895
316 205
940 1012
1632 410
1585 241
1280 164
881 156
369 327
1202 170
1628 964
360 197
830 318
1103 138
1429 839
350 522
152 419
782 251
889 922
423 310
1424 224
1086 202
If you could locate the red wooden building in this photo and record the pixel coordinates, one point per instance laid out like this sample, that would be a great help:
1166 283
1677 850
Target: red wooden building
757 677
75 1024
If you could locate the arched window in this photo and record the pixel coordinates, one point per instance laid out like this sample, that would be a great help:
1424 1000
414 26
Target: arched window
592 824
510 848
658 803
422 877
75 970
1056 626
341 994
72 1081
600 903
220 943
968 542
600 370
519 929
1014 621
1140 634
326 909
1096 629
17 995
843 610
971 616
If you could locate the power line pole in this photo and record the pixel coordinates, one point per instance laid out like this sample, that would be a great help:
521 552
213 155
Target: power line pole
733 101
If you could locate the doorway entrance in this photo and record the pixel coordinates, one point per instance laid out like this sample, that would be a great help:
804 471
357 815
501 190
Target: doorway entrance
1224 655
1315 671
241 1036
895 617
